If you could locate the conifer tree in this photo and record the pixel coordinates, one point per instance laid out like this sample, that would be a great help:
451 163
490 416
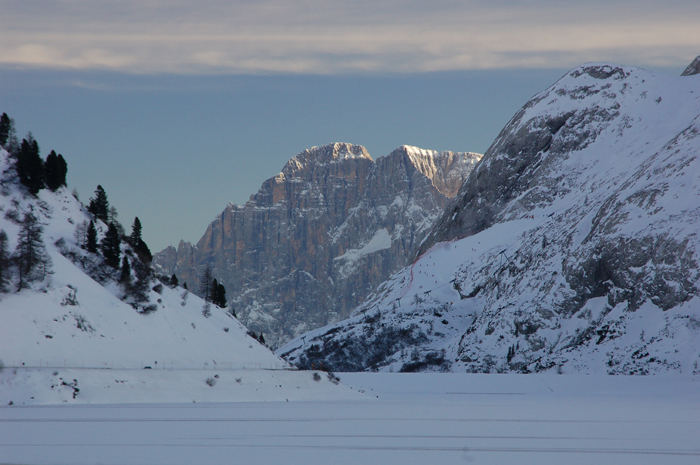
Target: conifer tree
62 170
137 242
213 291
30 255
218 294
135 231
141 282
125 274
173 281
29 166
205 281
4 261
6 128
113 216
91 242
110 246
55 169
99 206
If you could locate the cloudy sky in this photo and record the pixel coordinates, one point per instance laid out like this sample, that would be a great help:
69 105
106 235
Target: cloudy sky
334 36
178 107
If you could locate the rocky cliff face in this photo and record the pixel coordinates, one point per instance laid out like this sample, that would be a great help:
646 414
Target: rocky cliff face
317 238
693 68
572 246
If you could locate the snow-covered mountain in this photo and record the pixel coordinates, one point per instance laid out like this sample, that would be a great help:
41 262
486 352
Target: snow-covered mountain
69 333
317 238
573 245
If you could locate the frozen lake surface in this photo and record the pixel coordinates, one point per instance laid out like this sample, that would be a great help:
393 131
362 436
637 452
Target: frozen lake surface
405 419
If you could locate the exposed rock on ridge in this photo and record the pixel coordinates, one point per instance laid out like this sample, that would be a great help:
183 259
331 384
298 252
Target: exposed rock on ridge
572 246
693 68
317 238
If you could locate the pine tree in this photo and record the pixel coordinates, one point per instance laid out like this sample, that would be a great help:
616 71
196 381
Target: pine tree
140 286
213 291
218 294
55 169
205 281
110 246
80 233
99 206
62 170
91 242
30 255
173 281
6 128
125 273
29 166
12 145
135 232
4 261
137 242
113 216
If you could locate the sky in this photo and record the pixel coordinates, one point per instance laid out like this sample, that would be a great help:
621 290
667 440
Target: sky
179 107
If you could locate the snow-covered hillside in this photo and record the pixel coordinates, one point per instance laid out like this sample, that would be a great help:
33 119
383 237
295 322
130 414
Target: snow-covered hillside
69 321
572 246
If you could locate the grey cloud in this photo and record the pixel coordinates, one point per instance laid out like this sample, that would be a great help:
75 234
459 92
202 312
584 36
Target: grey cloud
332 36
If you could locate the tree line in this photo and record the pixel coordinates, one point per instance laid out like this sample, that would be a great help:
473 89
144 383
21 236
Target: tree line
134 265
33 172
29 262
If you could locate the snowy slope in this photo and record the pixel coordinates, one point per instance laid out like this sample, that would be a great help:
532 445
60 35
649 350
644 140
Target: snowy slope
70 321
572 246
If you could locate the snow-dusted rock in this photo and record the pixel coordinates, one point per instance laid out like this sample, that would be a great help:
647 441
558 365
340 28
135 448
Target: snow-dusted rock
693 67
317 238
573 245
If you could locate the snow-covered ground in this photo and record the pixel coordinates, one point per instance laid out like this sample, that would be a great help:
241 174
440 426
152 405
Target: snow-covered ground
73 336
403 419
47 386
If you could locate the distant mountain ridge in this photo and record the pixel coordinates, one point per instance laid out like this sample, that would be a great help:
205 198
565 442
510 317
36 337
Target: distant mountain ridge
318 237
572 246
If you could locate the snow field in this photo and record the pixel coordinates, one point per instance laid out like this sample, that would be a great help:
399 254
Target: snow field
46 386
405 419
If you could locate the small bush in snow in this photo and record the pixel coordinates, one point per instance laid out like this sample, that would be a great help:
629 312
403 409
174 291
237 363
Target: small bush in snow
210 381
71 296
332 377
206 310
83 324
148 308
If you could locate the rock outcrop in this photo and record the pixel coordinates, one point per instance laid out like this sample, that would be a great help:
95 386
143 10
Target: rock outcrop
693 68
573 245
317 238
